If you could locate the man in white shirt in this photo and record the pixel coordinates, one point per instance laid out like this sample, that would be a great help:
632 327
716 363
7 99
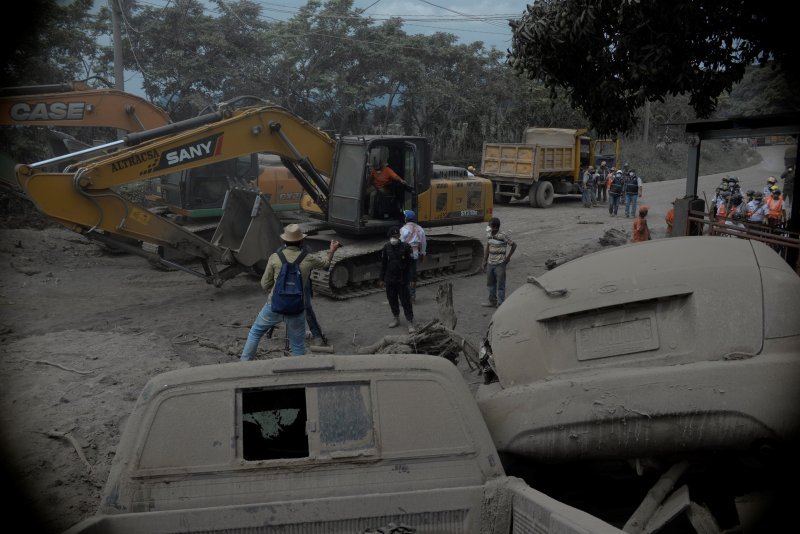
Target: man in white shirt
414 235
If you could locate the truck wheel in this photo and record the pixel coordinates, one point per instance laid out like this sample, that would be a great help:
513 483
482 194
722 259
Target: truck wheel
501 199
533 195
544 195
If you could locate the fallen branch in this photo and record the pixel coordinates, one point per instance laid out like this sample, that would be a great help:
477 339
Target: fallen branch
470 352
211 345
70 369
195 338
74 442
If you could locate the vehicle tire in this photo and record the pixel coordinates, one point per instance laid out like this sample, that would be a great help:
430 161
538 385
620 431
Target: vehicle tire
533 195
501 199
544 195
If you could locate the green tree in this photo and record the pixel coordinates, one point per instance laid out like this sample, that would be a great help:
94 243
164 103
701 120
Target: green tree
178 49
52 42
610 56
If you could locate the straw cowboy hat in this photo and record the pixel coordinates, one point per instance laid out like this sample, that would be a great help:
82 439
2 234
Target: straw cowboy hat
292 233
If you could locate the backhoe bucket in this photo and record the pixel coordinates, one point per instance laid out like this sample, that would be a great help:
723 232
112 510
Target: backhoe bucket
249 228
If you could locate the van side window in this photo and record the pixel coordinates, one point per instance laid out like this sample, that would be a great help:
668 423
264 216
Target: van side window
274 424
345 417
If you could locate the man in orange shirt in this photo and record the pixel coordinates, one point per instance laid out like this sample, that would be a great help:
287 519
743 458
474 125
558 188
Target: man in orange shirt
776 213
382 178
640 230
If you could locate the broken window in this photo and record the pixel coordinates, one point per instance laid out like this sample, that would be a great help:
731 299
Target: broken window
274 424
303 422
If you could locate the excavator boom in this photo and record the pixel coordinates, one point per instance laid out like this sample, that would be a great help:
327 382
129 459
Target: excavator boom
77 104
332 173
85 200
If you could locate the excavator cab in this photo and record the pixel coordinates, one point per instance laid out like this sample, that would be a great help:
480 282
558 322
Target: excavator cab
355 206
199 192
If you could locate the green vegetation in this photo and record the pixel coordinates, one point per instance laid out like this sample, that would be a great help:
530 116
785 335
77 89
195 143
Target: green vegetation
656 163
344 72
632 52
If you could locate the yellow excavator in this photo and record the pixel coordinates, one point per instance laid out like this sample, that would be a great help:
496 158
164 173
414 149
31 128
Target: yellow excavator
77 104
333 174
194 196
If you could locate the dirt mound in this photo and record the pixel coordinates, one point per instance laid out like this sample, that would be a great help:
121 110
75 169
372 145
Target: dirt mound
18 212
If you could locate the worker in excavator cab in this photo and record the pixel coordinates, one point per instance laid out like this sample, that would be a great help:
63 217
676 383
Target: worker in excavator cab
383 199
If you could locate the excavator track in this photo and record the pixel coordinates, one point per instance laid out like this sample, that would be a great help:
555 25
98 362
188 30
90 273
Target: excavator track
356 268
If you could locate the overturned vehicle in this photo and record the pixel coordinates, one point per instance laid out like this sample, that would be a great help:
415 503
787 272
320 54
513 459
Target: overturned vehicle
650 349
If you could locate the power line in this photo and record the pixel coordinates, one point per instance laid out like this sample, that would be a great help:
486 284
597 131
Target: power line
369 6
346 37
130 43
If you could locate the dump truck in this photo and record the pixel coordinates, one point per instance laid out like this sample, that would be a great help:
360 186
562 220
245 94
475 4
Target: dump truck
330 443
651 353
333 173
549 161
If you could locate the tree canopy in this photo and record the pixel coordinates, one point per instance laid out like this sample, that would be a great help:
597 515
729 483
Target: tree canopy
611 56
347 73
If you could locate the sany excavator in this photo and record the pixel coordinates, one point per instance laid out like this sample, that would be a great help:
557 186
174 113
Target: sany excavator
194 195
332 173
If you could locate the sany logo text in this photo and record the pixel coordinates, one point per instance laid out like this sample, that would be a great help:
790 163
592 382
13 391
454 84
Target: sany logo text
202 149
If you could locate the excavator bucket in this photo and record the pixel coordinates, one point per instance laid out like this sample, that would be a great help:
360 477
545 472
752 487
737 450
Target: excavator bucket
249 228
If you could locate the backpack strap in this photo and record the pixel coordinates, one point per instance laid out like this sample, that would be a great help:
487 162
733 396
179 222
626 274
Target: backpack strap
297 260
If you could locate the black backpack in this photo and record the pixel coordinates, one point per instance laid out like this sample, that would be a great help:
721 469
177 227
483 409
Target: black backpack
616 185
287 295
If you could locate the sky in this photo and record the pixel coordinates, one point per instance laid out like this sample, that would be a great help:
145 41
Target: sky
470 20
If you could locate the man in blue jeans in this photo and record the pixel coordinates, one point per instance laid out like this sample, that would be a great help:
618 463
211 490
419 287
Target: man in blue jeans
295 324
499 249
633 190
317 337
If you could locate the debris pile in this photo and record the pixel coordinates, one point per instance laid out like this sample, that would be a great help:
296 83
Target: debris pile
433 338
438 337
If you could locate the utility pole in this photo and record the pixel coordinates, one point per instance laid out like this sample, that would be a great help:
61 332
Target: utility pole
646 121
119 67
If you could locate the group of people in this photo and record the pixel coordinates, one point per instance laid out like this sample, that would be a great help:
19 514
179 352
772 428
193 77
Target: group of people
289 269
732 208
286 280
613 186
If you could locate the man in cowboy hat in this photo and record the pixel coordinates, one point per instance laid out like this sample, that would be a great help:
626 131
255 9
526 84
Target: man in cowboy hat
293 238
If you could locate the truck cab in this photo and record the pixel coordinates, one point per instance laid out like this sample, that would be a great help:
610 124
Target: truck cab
335 444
